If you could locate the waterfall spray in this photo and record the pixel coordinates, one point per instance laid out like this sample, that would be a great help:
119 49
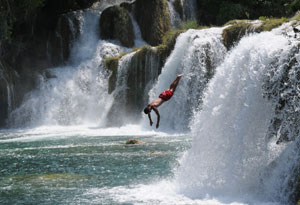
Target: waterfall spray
231 151
75 94
196 54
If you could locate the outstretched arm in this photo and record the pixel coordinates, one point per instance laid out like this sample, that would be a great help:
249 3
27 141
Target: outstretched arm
149 116
158 117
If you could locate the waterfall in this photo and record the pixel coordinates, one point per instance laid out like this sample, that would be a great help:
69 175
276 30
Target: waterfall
196 54
138 41
76 93
7 89
189 9
174 16
136 74
234 153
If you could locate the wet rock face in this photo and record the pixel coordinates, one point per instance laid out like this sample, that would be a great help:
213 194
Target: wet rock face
68 30
234 33
115 23
153 19
3 102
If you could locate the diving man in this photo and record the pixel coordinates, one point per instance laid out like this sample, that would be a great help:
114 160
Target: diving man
163 97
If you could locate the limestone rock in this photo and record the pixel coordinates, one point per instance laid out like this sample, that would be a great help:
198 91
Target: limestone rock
153 19
115 23
234 33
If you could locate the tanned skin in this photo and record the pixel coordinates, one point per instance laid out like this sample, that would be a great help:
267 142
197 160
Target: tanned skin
153 105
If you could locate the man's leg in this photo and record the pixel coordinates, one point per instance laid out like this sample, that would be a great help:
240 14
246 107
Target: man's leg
175 83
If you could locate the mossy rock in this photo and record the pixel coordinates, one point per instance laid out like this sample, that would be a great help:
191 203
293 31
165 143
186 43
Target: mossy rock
144 68
3 102
115 23
112 64
234 33
168 44
128 6
270 23
178 7
153 19
68 33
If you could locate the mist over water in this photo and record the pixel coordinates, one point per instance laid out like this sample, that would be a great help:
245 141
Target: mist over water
231 152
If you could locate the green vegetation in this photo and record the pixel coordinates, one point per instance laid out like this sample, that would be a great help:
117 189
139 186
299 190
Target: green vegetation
293 6
112 64
217 12
239 28
190 24
168 43
115 23
234 33
270 23
229 10
14 12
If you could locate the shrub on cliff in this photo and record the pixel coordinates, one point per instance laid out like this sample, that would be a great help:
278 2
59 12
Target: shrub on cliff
269 23
217 12
153 19
14 13
115 23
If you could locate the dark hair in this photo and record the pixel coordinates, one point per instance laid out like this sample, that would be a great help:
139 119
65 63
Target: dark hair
147 110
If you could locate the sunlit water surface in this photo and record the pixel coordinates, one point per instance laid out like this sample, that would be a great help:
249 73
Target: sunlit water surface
88 165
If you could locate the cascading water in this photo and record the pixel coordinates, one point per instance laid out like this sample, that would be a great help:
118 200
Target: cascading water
74 94
196 54
8 86
174 16
232 156
189 9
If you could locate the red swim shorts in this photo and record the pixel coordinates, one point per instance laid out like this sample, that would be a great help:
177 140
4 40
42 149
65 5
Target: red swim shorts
166 95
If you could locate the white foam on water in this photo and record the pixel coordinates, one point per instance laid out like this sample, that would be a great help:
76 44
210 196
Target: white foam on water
62 132
163 192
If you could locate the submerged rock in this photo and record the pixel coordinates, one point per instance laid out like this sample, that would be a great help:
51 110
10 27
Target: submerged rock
115 23
133 141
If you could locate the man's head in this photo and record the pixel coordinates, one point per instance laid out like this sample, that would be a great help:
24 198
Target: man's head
147 110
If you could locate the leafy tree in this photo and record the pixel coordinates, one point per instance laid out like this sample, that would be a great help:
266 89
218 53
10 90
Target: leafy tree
218 12
16 12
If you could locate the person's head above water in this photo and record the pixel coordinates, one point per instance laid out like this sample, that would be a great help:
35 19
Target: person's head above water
147 110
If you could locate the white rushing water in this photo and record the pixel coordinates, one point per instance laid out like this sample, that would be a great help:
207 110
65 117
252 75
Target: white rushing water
196 54
174 16
234 157
231 155
77 93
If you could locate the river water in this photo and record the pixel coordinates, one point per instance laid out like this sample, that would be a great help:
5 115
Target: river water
84 165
